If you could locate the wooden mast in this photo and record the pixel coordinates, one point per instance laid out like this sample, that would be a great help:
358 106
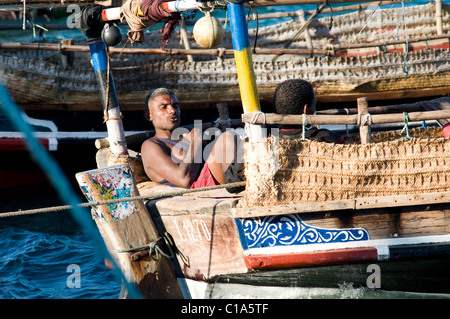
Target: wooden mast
439 29
244 66
108 97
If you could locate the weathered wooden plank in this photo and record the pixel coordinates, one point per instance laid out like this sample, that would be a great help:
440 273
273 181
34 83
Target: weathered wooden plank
248 212
271 118
402 200
205 233
382 223
353 204
128 225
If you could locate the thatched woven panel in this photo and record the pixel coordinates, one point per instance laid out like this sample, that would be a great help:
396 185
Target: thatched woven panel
288 171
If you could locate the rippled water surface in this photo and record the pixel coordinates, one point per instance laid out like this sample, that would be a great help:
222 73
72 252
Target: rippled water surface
36 252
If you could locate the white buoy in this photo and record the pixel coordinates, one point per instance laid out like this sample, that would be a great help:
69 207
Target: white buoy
208 31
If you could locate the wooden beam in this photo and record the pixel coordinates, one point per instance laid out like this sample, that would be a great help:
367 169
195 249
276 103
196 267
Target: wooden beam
439 17
384 95
212 52
269 3
271 118
345 204
155 51
129 226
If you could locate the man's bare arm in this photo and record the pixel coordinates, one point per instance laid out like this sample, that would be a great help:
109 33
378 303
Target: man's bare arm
159 165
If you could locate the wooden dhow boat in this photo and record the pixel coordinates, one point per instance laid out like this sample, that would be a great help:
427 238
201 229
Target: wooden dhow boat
344 209
371 53
316 219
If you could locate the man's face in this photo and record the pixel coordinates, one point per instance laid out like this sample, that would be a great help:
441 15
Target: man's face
164 111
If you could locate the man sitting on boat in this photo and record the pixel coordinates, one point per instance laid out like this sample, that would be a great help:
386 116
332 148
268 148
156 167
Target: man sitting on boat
169 161
295 97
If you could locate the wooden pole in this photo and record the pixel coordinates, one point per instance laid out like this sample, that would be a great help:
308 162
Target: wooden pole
217 52
156 51
439 17
108 97
244 66
301 17
128 226
354 119
271 118
305 25
364 126
185 39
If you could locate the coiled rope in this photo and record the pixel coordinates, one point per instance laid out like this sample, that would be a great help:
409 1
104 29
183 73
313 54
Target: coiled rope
118 200
154 251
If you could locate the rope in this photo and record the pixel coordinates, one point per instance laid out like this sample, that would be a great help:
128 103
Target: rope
406 128
346 125
304 123
118 200
364 119
256 116
137 23
369 19
153 248
256 17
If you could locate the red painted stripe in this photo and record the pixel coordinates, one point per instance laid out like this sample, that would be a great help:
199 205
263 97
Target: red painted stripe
104 15
14 178
324 257
419 46
18 144
165 6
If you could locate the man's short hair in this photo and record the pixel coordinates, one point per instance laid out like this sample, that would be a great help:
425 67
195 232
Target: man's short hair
292 95
153 94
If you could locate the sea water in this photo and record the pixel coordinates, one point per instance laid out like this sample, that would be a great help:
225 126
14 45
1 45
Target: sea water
49 256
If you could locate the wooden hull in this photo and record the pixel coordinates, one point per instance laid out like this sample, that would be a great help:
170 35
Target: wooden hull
377 205
215 239
340 79
379 72
344 281
215 244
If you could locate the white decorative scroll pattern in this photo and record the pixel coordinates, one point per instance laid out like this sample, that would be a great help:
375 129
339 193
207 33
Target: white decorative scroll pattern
286 230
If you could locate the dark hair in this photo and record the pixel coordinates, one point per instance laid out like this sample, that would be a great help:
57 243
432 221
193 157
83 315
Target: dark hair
151 95
292 95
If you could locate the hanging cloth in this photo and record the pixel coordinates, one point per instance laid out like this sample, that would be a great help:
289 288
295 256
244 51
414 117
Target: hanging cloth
153 10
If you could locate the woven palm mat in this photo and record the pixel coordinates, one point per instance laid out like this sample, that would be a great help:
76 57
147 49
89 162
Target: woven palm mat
288 171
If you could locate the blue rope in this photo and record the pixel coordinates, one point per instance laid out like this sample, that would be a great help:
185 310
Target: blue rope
60 184
406 128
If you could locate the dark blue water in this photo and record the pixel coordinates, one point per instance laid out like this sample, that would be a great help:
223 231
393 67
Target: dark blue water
36 252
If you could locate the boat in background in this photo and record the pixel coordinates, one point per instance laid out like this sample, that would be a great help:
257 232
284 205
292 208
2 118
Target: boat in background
18 168
359 56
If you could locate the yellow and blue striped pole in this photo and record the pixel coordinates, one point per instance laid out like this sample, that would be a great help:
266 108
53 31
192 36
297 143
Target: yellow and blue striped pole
243 58
244 63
